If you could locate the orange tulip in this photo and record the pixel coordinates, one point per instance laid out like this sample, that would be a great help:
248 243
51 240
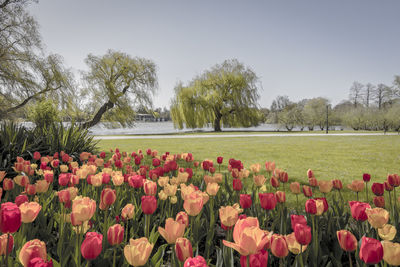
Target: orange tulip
377 217
248 237
279 246
280 196
42 186
212 189
387 232
83 208
295 187
173 230
347 240
32 249
186 190
325 186
138 251
128 211
312 182
391 252
356 186
29 211
259 180
337 184
2 175
193 203
228 215
255 168
117 179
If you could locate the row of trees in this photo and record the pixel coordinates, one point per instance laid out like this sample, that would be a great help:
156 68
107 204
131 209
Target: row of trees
369 107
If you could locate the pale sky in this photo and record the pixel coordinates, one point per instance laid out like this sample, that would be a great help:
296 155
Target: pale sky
302 49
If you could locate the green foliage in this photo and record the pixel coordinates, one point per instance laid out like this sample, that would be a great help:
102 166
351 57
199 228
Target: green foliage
17 140
227 94
43 114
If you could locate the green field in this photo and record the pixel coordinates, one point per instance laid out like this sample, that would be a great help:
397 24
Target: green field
330 157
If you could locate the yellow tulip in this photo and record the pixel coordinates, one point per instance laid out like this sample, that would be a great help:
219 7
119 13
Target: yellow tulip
377 217
173 230
391 252
138 251
387 232
228 215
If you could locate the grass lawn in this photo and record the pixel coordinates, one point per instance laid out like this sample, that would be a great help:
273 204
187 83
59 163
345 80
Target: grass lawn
330 157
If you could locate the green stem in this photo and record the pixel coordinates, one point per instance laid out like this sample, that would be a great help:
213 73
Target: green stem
351 263
248 261
114 256
297 203
366 190
147 225
301 256
357 195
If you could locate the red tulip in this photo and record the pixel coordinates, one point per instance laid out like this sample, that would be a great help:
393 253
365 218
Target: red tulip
279 247
237 184
310 173
103 155
108 197
393 180
315 206
256 260
366 177
10 218
379 201
149 204
297 219
283 177
337 184
267 200
307 191
36 155
274 182
378 189
92 245
219 160
302 233
358 210
39 262
115 234
388 187
135 181
371 251
8 184
245 201
156 162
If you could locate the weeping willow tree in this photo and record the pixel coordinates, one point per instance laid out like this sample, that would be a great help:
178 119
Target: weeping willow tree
227 95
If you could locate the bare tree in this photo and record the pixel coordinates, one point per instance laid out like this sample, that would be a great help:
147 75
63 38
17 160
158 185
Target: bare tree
381 94
369 88
355 93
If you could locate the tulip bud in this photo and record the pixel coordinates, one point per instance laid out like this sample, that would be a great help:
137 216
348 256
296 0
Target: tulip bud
10 218
8 184
325 186
219 160
92 245
115 234
183 218
183 249
21 199
366 177
31 189
310 173
347 240
314 206
107 198
212 189
274 182
393 180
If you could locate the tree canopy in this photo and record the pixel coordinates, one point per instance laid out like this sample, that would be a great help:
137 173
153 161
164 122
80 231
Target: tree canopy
226 94
116 82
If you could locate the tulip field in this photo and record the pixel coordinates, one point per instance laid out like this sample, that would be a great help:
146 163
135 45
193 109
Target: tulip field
155 208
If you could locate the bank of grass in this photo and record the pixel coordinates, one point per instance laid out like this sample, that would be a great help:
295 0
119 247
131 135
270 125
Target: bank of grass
330 157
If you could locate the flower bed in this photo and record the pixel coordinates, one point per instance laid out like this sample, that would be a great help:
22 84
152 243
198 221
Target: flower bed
146 209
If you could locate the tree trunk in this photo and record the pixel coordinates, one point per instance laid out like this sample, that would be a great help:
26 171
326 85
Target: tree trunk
97 117
217 124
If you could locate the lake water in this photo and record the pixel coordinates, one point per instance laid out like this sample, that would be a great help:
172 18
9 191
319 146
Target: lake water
168 128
